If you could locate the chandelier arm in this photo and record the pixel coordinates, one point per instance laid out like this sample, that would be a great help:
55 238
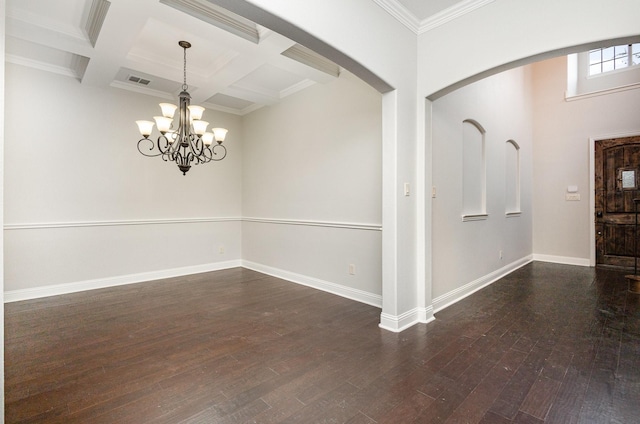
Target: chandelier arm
168 156
178 158
207 154
163 144
196 145
223 152
151 148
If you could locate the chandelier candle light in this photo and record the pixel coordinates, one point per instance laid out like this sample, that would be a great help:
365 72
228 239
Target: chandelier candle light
189 142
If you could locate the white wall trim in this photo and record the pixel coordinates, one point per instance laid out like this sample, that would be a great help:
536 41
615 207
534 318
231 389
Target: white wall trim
425 315
475 217
347 225
43 66
457 10
400 13
408 319
408 19
566 260
116 223
100 283
572 97
337 289
398 323
460 293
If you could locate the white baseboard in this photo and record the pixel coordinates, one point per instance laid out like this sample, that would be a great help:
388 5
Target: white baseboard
566 260
54 290
398 323
460 293
340 290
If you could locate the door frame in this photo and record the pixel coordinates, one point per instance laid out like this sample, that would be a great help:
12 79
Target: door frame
592 188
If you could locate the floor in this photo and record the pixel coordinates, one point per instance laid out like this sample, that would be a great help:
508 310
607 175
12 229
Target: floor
548 343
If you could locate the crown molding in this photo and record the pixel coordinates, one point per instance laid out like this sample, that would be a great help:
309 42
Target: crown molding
408 19
43 66
401 13
451 13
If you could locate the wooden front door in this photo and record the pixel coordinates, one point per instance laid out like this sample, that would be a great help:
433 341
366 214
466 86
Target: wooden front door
617 179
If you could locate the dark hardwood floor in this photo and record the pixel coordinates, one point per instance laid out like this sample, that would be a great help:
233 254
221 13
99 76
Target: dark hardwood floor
548 343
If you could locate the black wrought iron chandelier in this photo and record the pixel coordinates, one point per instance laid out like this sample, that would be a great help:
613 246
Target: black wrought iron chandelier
189 142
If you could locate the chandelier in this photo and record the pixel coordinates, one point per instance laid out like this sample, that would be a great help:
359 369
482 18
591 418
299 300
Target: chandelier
189 142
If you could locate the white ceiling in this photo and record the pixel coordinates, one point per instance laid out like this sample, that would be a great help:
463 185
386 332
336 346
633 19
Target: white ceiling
234 65
423 9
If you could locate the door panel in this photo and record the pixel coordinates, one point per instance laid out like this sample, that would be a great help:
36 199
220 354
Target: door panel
617 175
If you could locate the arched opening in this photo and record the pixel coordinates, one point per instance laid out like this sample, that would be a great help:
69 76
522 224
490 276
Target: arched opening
553 133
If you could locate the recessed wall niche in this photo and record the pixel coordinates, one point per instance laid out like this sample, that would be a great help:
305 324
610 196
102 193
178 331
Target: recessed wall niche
474 171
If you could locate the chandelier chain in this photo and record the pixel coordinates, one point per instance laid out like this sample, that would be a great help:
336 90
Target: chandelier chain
184 84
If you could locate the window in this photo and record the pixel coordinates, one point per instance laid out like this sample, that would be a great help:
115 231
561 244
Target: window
512 178
473 171
613 58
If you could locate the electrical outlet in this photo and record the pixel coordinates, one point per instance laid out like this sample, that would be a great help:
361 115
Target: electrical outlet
352 269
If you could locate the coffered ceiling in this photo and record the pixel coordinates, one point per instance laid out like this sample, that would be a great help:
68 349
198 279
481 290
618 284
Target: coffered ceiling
234 65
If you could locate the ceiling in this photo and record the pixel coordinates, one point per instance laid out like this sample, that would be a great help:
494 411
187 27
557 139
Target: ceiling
234 65
424 9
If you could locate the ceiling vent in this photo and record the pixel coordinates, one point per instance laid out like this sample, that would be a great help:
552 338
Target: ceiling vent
139 80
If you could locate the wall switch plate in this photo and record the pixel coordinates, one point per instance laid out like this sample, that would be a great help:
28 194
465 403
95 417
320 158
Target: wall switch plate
352 269
407 190
433 192
572 197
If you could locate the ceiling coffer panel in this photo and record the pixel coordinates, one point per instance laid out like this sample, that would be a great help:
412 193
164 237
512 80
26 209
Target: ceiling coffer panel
97 15
217 16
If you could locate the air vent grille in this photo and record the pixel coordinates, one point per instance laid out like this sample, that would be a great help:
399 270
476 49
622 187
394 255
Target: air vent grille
139 80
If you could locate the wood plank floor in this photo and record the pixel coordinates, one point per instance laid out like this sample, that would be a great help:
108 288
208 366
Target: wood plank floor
547 344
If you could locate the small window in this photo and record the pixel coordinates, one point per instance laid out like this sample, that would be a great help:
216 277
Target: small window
613 58
627 179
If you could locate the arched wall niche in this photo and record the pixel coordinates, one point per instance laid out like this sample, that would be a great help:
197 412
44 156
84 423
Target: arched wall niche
512 178
476 124
474 171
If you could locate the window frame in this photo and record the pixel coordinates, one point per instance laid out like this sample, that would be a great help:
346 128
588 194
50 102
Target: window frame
629 56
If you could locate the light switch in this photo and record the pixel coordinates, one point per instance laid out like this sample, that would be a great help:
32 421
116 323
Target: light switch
406 189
